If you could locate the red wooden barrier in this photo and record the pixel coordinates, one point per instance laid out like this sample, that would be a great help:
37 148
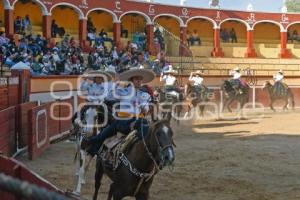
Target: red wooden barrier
8 145
23 122
18 170
9 92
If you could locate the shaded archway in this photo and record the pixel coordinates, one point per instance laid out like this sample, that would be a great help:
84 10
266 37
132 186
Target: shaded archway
169 23
233 46
102 20
267 44
135 25
205 30
35 11
293 38
67 16
2 20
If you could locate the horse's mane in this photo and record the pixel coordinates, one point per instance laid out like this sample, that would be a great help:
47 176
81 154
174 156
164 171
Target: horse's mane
156 124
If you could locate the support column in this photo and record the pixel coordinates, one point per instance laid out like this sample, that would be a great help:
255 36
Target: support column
9 22
217 52
117 34
47 26
250 47
284 52
183 42
150 38
82 32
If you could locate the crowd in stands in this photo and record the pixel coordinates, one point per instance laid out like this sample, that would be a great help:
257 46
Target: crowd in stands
228 36
67 58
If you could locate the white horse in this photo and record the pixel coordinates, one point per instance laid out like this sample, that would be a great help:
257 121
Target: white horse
82 159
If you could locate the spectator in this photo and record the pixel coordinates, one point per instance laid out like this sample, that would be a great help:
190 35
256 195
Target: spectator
54 28
90 26
18 25
27 25
195 38
295 36
3 39
233 36
124 31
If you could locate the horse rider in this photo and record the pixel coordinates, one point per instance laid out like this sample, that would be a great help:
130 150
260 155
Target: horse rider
197 80
133 107
94 84
170 80
279 86
236 80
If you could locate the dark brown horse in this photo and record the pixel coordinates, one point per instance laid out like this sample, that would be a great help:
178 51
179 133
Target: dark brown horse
232 94
168 105
194 99
286 96
137 167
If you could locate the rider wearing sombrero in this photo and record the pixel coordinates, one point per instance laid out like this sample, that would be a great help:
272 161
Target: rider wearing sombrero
236 80
279 87
133 107
168 77
197 80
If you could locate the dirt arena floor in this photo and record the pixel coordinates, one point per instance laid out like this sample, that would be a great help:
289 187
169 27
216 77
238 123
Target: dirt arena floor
253 159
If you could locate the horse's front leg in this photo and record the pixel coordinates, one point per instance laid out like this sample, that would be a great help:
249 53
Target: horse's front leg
271 105
286 104
98 177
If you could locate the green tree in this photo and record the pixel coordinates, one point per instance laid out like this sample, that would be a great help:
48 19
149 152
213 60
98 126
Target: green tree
293 5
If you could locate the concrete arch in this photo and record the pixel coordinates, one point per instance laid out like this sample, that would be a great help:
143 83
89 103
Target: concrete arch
114 16
291 24
78 10
6 4
269 21
238 20
215 25
147 18
180 21
43 6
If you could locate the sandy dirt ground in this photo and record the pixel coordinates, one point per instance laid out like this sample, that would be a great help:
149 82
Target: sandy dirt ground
255 159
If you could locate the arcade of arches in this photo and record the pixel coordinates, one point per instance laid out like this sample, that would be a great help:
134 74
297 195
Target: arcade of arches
250 43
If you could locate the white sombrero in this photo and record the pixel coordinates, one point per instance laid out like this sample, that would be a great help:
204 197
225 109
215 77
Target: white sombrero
98 73
198 72
237 69
147 75
170 70
111 70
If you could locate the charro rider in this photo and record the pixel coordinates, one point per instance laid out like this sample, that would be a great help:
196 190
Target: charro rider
197 80
279 87
236 80
133 107
168 77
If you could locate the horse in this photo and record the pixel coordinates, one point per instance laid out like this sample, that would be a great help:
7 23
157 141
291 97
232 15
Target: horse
165 101
88 123
286 95
194 99
231 95
137 167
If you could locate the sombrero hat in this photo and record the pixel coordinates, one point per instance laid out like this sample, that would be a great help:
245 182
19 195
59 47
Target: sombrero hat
170 70
280 72
98 73
111 71
198 72
237 69
147 75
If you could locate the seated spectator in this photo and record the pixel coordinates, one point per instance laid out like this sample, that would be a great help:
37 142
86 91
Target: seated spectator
233 36
224 35
103 33
3 39
195 38
124 32
295 36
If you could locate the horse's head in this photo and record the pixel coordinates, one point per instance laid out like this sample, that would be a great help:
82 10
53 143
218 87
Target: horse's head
90 119
162 143
266 85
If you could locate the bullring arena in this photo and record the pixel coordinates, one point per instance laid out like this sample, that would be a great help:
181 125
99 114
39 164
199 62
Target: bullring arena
251 155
